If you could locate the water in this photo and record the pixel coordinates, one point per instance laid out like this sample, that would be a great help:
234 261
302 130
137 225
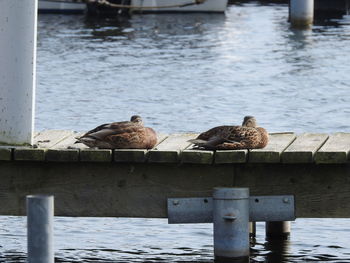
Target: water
188 73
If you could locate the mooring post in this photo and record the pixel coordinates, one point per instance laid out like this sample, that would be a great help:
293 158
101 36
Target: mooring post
231 224
252 229
279 230
40 211
301 12
18 26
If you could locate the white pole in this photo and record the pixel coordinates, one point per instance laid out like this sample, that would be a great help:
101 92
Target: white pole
301 12
18 25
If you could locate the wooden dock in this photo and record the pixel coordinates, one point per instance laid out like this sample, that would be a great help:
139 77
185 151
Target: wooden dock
136 183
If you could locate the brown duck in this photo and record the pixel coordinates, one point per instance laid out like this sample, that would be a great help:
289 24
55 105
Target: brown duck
121 135
247 136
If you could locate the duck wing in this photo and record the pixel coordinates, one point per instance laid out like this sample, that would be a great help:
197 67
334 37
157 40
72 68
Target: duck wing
246 138
137 137
223 132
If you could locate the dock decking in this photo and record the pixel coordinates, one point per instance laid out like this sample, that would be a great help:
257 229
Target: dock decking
58 146
136 183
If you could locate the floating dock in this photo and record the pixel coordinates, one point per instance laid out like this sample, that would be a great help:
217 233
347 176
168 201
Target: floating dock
315 168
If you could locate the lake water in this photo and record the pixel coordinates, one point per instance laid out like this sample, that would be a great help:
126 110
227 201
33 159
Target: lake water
189 73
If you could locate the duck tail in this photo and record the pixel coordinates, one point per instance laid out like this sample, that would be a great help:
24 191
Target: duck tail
78 140
198 142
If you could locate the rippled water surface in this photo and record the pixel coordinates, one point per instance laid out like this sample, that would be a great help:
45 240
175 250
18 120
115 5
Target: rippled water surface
188 73
191 72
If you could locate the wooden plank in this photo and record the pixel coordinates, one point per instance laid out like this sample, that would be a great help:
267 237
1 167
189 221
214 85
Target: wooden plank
197 156
65 150
142 189
335 150
107 189
5 153
49 138
169 150
193 155
303 149
69 142
320 190
130 155
135 155
62 155
29 154
278 142
231 156
95 155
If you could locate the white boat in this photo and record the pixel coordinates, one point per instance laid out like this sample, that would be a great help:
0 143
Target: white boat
61 6
112 7
215 6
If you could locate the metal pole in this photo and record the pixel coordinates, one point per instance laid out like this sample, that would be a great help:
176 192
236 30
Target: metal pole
18 25
301 12
40 211
252 229
279 230
231 224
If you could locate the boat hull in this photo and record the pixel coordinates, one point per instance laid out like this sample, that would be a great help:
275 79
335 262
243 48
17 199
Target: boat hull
210 6
52 6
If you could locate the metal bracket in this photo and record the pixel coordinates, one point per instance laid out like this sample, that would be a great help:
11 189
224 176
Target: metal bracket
261 208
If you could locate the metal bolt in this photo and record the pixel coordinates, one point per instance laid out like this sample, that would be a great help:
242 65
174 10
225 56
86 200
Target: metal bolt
285 200
229 217
176 202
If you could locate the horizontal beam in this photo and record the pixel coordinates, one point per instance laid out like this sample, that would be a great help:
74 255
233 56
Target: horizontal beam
142 190
261 208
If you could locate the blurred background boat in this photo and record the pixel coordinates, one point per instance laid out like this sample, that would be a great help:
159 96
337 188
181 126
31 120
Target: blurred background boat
62 6
117 7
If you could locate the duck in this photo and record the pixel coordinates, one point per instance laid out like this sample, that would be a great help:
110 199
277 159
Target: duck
120 135
246 136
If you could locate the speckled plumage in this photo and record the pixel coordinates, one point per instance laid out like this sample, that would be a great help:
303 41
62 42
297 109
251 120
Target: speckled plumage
247 136
121 135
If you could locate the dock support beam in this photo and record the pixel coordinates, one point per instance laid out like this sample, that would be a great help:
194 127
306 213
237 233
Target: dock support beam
18 30
231 224
301 12
40 212
279 230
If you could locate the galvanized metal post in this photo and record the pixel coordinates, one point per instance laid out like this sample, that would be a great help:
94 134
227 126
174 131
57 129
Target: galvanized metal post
40 211
279 230
301 12
18 26
231 224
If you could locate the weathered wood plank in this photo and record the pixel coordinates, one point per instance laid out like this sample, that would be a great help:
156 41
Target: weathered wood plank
197 156
193 155
5 153
65 150
29 154
278 142
231 156
107 189
335 150
95 155
69 142
303 149
135 155
169 150
320 190
49 138
62 155
142 189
